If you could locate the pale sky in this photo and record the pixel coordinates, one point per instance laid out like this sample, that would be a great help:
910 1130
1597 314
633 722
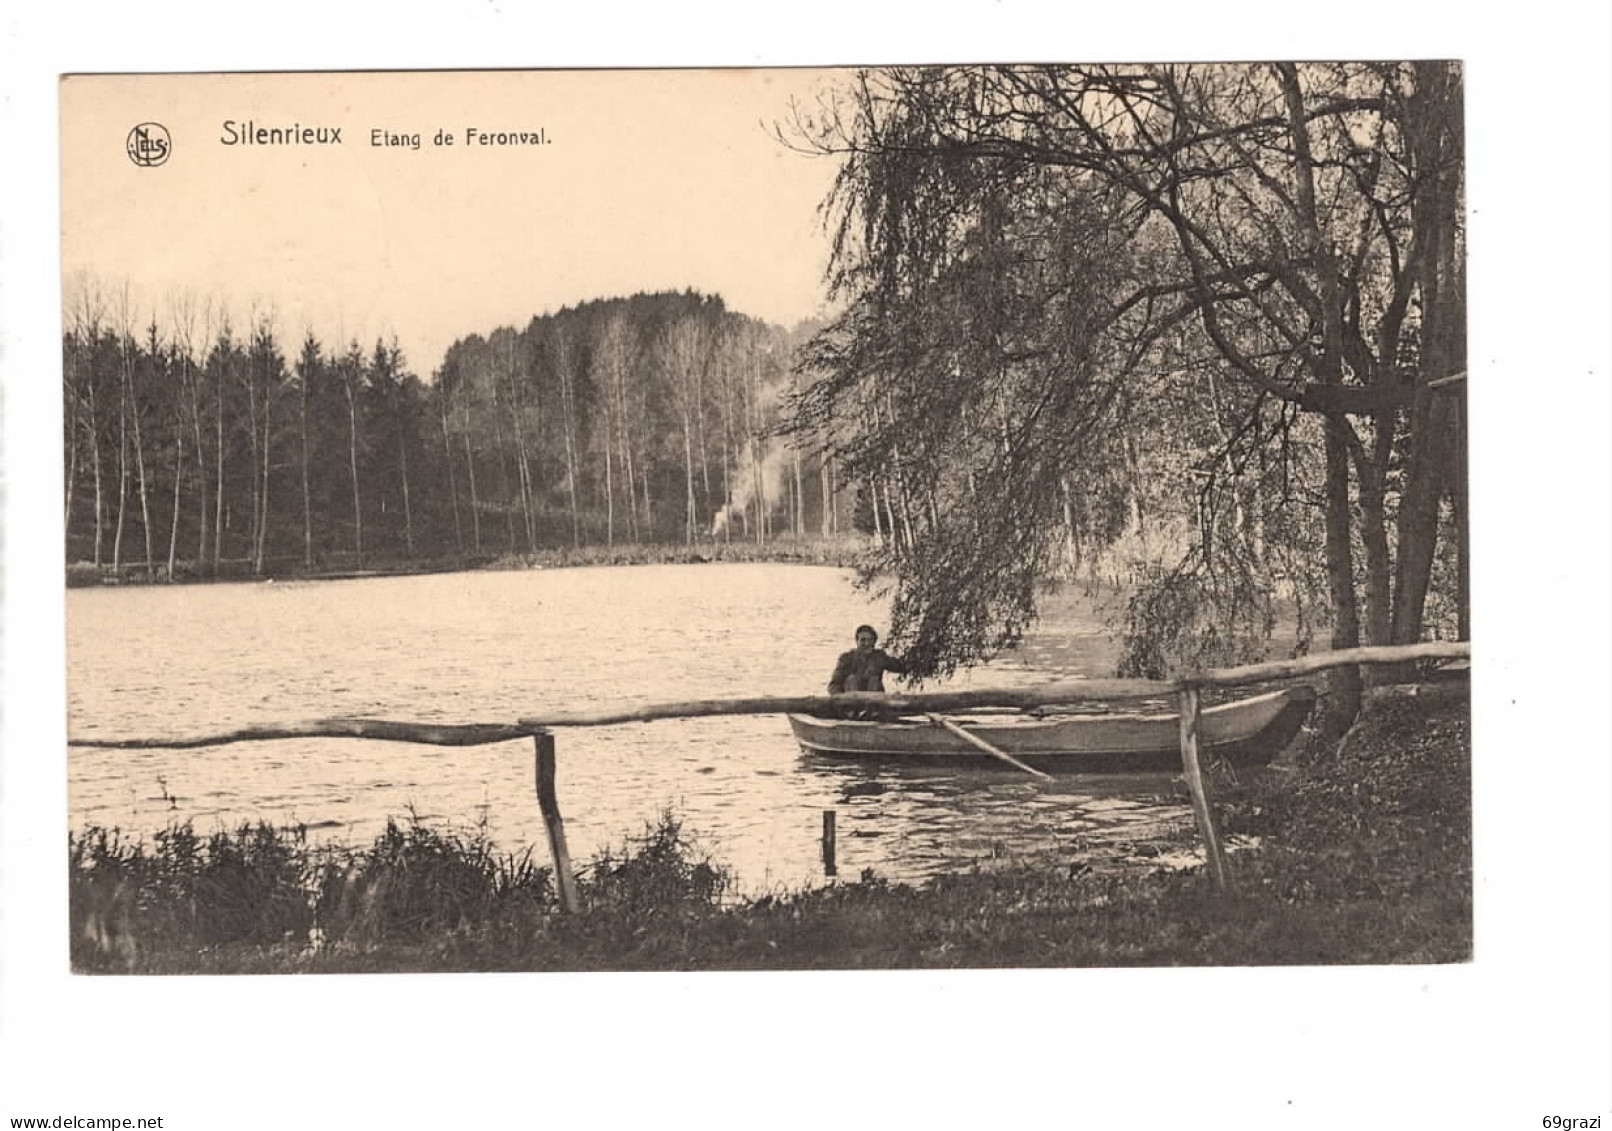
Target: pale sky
649 180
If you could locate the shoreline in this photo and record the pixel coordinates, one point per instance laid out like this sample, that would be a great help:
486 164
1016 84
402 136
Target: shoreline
840 553
1355 854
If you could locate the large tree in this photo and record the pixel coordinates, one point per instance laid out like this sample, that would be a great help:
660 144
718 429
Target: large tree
1032 257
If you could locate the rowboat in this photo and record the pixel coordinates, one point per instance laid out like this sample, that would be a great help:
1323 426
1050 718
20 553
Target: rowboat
1248 732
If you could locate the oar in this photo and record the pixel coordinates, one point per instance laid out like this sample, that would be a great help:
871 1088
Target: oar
976 741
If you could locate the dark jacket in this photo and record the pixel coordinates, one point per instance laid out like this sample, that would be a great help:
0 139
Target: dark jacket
863 671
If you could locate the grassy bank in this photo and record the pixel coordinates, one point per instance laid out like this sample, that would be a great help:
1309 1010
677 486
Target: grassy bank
1358 855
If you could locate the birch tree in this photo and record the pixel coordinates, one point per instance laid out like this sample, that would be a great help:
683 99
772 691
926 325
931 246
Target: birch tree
685 351
351 377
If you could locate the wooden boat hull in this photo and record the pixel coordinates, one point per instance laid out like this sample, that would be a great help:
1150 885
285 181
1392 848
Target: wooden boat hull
1246 732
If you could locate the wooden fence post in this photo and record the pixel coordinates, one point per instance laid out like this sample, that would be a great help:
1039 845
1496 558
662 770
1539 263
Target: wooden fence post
548 803
830 865
1191 723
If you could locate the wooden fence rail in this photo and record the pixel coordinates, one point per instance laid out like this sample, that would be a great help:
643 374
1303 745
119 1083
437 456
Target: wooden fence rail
1185 690
828 706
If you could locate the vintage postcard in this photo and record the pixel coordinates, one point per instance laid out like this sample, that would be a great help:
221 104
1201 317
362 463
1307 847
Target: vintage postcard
996 526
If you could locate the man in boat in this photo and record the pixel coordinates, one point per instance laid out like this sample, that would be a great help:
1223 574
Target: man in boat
863 667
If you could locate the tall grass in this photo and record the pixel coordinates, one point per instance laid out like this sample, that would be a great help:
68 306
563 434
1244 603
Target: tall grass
416 882
183 899
659 870
1363 855
126 900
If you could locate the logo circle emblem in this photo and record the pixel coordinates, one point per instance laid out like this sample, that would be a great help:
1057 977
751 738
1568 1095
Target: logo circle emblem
148 144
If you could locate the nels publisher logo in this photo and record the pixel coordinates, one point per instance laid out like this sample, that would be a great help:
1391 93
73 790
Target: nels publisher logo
149 144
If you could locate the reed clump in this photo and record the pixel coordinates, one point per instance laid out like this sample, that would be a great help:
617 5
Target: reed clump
185 902
128 902
659 870
417 882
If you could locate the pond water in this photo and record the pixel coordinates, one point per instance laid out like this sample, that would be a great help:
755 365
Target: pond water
496 646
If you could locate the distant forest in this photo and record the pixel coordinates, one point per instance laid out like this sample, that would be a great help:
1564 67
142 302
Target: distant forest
195 445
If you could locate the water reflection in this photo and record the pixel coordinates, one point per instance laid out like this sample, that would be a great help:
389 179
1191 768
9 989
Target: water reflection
938 819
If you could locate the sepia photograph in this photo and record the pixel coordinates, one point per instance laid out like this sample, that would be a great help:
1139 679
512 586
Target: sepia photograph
961 516
699 584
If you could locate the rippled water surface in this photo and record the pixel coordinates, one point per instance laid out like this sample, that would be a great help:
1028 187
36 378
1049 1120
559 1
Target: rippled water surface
496 646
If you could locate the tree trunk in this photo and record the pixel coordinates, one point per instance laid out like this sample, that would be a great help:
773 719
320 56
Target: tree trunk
727 489
193 385
1374 533
501 450
72 468
1133 493
572 471
140 470
523 464
753 426
252 462
609 483
568 423
688 468
1463 544
510 491
758 479
453 483
470 466
1419 513
800 498
648 513
307 492
179 472
95 467
1071 529
891 520
123 479
624 432
352 464
218 494
190 418
1434 130
699 427
261 555
408 513
1344 684
898 476
826 476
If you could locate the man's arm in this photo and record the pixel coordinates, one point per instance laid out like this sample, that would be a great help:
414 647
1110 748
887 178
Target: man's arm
895 664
